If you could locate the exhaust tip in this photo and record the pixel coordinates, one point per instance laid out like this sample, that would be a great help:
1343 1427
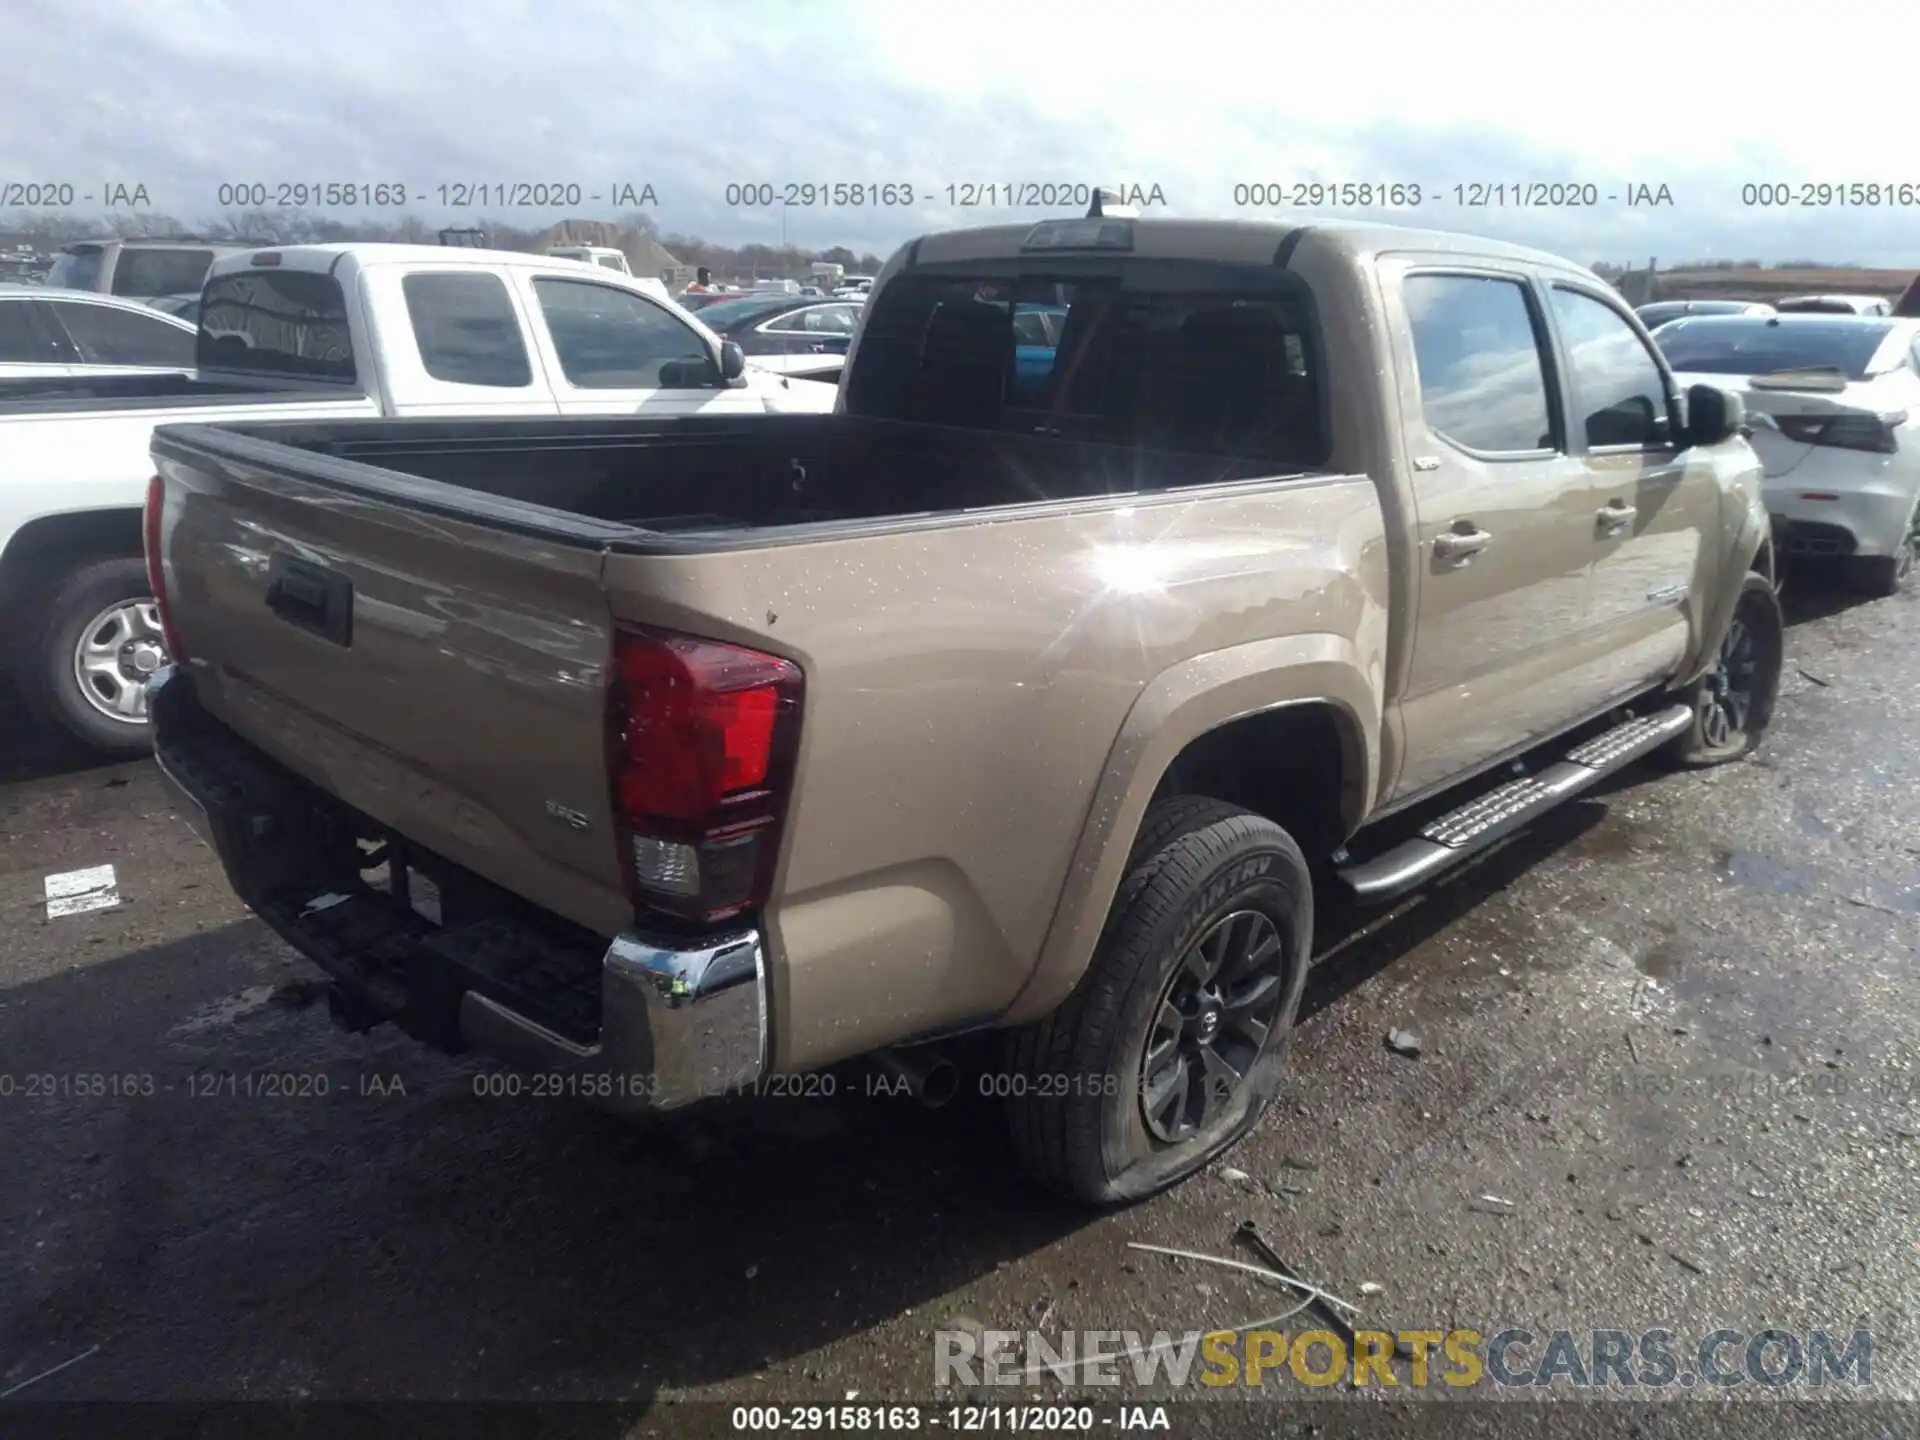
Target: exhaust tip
940 1084
932 1079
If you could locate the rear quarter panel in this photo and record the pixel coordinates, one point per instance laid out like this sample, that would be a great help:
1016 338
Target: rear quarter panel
968 692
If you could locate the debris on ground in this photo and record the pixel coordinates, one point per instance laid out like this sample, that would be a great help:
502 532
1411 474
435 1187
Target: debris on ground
48 1374
1403 1042
76 892
1371 1287
1238 1177
1287 1278
1686 1263
1815 679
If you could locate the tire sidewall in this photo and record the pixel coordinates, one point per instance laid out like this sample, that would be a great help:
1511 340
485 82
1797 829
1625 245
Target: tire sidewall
52 685
1263 872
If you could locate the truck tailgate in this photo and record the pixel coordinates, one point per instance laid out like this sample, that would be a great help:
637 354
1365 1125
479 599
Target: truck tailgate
442 675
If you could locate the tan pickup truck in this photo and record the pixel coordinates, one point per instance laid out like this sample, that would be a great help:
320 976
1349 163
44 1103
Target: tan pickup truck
1036 689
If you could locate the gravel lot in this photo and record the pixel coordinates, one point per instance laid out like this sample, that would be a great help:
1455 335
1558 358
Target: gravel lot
1672 1026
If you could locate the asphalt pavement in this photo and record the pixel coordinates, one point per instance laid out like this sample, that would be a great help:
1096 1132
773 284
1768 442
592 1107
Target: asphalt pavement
1667 1078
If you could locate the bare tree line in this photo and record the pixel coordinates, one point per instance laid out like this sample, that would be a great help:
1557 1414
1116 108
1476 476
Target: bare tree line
52 229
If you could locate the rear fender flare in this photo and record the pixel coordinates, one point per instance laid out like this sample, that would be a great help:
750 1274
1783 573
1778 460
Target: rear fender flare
1182 704
1752 549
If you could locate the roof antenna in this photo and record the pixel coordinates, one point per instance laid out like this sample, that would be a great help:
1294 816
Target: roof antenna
1106 206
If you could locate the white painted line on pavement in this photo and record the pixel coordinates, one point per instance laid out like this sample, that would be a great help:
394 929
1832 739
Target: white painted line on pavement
74 892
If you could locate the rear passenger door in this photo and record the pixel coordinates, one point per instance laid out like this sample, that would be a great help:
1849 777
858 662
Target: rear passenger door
611 351
1653 504
1505 532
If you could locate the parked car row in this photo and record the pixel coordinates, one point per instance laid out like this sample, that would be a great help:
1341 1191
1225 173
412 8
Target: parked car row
794 335
302 332
46 331
1833 401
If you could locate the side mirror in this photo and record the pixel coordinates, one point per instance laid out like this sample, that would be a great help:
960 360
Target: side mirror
1713 415
733 361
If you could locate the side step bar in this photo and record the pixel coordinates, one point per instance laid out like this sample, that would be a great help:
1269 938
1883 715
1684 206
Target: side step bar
1504 809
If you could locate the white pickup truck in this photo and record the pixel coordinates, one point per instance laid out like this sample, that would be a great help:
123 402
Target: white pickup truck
313 332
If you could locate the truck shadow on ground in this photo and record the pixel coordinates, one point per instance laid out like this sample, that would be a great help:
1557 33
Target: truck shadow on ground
32 751
372 1226
1817 594
344 1236
1352 943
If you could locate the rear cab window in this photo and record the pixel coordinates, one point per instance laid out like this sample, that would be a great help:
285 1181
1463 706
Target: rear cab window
143 272
277 324
1171 355
77 268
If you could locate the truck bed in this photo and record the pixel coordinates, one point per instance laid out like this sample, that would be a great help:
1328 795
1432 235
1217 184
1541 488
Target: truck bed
699 479
419 618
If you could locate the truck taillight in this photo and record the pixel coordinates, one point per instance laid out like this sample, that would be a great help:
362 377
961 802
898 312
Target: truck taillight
156 573
703 743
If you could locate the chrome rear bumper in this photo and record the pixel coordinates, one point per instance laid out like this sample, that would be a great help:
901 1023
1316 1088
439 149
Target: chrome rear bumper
642 1023
677 1026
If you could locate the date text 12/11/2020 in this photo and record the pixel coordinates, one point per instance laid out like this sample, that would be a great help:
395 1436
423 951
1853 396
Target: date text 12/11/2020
1470 195
455 195
962 195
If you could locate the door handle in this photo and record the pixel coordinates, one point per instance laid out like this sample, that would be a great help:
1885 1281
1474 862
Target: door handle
1615 516
1459 542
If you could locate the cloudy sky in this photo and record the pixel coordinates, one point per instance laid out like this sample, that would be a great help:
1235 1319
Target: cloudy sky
1702 97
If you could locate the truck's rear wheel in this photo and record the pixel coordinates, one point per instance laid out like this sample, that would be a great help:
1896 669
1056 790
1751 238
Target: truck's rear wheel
91 649
1172 1045
1733 702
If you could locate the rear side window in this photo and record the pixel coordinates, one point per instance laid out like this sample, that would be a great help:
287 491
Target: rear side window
76 269
288 324
1199 358
830 320
610 339
106 336
1619 395
18 344
1483 381
143 273
467 330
